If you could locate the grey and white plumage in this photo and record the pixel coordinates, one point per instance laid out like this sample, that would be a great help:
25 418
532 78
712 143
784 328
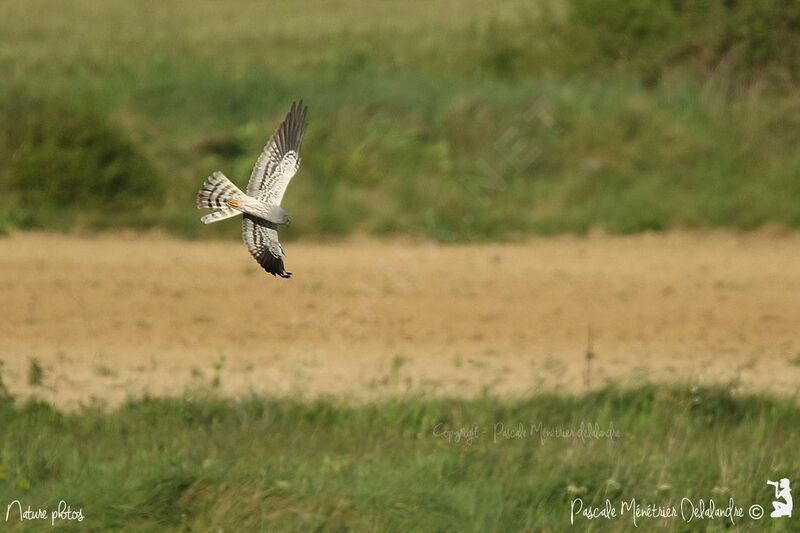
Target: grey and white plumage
261 204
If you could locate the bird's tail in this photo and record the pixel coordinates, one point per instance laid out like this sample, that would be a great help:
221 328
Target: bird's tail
219 193
216 216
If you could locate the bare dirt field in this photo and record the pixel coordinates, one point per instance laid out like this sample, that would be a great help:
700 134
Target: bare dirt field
119 315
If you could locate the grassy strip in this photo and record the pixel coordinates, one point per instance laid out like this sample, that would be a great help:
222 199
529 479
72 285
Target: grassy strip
281 465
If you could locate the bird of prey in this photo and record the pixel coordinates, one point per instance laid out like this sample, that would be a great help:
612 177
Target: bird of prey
261 205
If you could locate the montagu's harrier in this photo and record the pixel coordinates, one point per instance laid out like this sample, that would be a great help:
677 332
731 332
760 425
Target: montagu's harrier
261 205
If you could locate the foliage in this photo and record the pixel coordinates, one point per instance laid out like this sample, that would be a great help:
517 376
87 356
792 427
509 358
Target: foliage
509 119
205 464
65 157
738 40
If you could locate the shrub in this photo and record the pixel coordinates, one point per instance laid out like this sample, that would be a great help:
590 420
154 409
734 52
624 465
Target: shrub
741 40
61 156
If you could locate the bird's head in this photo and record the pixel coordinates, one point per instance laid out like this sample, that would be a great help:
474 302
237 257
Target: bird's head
277 215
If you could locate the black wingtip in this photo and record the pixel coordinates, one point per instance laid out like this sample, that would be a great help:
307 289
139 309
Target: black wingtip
299 109
292 129
273 265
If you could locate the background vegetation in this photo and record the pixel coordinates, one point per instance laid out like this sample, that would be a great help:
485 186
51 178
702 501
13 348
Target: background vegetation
451 119
456 120
205 464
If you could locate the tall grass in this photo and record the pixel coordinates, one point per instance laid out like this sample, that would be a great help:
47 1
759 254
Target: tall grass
207 464
454 120
65 159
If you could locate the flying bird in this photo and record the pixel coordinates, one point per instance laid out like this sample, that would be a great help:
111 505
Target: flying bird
260 207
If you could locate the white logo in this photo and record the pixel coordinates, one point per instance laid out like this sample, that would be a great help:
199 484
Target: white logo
782 492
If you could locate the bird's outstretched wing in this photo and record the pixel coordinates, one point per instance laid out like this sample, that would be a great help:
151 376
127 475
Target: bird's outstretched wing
280 159
261 238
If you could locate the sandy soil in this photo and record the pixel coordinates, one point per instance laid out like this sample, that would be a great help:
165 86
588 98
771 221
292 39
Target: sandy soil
121 315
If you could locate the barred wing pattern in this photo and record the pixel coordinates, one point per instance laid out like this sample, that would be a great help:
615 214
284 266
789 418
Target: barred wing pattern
280 158
261 238
273 171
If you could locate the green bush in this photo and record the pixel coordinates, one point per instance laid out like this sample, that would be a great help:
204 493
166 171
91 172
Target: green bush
741 40
65 157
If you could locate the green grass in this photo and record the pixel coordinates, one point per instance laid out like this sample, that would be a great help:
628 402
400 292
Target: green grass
454 120
206 464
